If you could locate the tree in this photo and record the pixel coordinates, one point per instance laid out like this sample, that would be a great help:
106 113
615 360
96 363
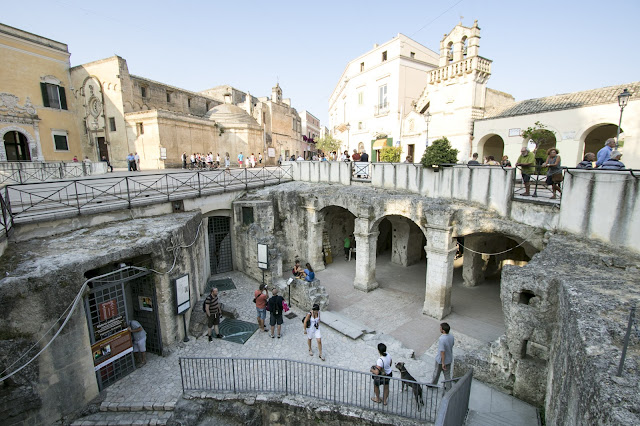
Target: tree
439 152
328 143
391 154
544 139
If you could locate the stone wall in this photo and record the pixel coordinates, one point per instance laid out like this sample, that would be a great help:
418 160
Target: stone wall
41 276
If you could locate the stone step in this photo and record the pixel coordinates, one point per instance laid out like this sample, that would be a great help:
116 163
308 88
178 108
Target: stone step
137 406
476 418
343 325
122 418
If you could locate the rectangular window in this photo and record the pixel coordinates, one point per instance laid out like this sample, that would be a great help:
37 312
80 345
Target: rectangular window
140 128
360 125
60 142
413 55
53 96
384 56
360 98
189 102
247 215
112 124
143 91
361 66
382 97
168 96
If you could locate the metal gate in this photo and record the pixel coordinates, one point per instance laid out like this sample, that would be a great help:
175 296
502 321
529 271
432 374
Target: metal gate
220 244
108 315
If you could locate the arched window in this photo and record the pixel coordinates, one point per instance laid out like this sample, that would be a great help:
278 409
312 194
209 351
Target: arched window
450 52
465 46
16 147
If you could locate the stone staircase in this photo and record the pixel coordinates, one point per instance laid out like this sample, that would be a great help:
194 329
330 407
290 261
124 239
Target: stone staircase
304 294
129 413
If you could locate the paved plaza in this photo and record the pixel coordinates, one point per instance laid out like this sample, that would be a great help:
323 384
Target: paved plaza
158 384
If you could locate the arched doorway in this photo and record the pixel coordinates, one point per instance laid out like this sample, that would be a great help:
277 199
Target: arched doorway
339 224
595 139
493 146
400 239
16 146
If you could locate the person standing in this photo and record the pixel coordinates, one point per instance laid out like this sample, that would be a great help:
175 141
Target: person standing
311 325
139 337
252 160
137 158
474 160
356 155
527 163
613 163
554 173
131 163
240 159
384 370
227 160
260 158
605 153
275 311
347 247
214 313
184 159
109 166
444 358
260 297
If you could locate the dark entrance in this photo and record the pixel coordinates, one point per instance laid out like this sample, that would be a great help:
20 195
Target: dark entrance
102 147
16 146
114 299
220 244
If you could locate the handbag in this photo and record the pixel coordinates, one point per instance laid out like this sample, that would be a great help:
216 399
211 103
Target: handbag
557 178
285 307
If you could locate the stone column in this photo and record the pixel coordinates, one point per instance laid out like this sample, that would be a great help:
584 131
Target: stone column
314 238
366 243
441 251
473 265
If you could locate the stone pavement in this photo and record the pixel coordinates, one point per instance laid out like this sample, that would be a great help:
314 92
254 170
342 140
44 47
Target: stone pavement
157 385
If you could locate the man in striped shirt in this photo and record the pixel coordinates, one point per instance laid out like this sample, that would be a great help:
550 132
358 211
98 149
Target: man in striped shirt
214 313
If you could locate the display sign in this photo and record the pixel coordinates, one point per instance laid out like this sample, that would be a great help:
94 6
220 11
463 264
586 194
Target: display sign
263 257
110 349
145 303
106 329
271 152
163 153
108 309
515 132
183 294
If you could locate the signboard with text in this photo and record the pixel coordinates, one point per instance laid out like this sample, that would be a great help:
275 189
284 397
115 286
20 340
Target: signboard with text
110 349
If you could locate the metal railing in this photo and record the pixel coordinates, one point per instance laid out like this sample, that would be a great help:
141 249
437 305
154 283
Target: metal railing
14 172
6 218
455 403
337 385
360 170
45 200
538 187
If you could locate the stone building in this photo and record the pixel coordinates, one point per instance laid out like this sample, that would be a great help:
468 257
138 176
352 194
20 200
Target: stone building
125 113
37 104
581 122
376 90
310 131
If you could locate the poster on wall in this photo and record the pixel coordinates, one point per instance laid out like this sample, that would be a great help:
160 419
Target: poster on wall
145 303
263 258
183 294
110 349
108 309
271 152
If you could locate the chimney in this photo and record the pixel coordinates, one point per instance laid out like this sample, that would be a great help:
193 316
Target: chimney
227 98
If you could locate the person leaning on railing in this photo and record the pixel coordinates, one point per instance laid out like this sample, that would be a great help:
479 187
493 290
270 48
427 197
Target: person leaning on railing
526 162
554 173
614 162
587 161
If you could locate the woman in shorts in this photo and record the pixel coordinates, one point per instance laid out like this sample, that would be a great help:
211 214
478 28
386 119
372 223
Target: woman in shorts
312 329
260 298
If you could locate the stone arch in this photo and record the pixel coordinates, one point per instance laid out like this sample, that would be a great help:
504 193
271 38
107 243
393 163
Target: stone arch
339 223
491 144
31 142
593 138
403 236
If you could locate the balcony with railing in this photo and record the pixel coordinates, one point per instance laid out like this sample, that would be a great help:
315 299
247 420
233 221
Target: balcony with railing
465 66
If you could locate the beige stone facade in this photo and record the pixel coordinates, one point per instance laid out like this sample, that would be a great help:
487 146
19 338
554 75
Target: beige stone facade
37 105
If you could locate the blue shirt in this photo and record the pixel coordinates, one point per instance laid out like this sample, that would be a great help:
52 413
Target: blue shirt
445 344
612 165
603 155
131 158
310 275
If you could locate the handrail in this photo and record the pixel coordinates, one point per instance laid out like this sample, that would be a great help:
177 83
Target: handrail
319 381
24 172
44 200
6 218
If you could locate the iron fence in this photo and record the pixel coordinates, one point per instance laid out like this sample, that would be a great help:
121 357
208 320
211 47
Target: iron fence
455 403
360 170
44 200
337 385
16 172
538 187
6 218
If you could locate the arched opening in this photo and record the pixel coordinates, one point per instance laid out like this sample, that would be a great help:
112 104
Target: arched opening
465 46
400 241
493 146
595 139
361 147
339 224
450 52
477 276
16 146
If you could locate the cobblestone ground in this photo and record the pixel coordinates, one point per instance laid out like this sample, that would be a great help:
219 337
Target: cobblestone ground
159 381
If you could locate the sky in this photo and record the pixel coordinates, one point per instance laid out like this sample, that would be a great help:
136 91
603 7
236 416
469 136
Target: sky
538 48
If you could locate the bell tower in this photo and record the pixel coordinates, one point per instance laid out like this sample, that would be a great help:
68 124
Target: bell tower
276 94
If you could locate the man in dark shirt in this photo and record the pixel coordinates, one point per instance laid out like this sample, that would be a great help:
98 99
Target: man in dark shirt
275 310
474 160
214 313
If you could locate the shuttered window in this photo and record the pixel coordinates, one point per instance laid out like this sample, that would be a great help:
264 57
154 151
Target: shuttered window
53 96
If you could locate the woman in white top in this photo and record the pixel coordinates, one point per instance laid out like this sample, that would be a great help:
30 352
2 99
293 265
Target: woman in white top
312 329
384 369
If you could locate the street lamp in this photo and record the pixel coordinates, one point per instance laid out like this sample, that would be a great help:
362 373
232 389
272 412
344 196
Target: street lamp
348 126
623 99
427 118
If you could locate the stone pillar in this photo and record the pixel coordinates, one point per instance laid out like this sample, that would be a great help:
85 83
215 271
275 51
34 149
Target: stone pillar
473 265
366 243
314 238
441 251
399 241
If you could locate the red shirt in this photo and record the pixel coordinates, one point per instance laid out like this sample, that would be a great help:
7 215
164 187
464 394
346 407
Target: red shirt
261 299
355 157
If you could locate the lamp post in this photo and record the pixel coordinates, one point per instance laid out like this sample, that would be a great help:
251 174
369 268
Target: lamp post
623 99
427 118
348 126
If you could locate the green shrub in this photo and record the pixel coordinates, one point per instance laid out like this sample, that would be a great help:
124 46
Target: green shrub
390 154
439 152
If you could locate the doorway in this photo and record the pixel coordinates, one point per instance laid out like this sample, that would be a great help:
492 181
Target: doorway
219 228
102 148
114 299
16 146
